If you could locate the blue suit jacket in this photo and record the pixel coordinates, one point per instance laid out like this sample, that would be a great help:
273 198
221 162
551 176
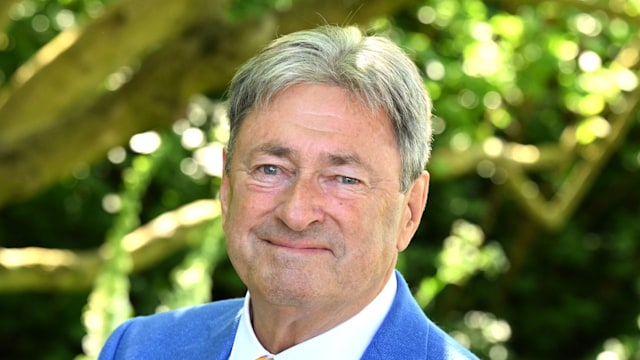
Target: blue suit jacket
208 331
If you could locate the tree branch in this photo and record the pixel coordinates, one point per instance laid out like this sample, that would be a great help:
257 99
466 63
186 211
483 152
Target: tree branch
40 269
128 31
451 163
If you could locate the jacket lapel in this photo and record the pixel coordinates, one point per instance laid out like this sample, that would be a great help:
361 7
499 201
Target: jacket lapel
213 339
222 334
404 331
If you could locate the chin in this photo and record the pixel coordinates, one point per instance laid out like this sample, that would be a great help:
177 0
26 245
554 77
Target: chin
293 289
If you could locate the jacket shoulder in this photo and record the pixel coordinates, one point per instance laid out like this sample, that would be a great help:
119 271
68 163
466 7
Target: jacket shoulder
191 332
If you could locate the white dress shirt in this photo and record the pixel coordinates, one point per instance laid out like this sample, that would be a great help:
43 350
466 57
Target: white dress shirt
349 340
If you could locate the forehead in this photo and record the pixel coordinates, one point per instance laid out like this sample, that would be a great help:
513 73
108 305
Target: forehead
319 117
319 105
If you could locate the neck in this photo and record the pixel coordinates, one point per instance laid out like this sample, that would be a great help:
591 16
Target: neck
280 327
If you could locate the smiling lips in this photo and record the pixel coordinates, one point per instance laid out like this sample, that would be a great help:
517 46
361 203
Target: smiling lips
314 238
297 245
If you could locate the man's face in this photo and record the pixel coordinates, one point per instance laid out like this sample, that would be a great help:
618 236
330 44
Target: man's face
312 206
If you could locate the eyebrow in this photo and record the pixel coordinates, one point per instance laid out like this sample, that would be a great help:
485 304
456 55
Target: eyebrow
272 149
334 159
345 159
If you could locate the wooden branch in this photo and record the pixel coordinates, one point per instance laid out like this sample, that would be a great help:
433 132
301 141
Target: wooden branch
552 213
555 213
70 71
40 269
450 163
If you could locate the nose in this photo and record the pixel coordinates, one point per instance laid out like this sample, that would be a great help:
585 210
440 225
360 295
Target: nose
300 205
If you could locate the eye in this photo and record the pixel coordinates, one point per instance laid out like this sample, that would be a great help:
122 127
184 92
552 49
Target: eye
269 174
269 169
346 180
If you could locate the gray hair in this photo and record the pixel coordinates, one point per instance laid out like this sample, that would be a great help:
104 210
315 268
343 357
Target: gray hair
372 68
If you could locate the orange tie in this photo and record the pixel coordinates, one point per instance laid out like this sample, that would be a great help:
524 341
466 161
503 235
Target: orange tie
265 357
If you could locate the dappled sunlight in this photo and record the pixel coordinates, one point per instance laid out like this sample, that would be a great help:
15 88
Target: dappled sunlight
614 349
460 141
625 79
508 26
463 254
527 154
592 128
146 142
466 252
438 126
608 82
426 15
500 118
586 105
563 49
620 348
112 203
31 256
492 100
117 155
210 159
483 59
204 141
65 19
468 99
589 61
193 138
435 70
482 31
493 146
587 24
190 276
189 167
487 331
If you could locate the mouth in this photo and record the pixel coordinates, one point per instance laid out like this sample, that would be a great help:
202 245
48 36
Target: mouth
298 246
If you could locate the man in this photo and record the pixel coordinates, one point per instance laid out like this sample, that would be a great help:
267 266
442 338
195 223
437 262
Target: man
323 187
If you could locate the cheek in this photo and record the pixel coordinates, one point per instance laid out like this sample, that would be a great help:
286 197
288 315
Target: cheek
245 210
377 229
363 231
245 200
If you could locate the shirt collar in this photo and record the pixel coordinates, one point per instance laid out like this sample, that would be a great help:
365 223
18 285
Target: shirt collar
349 340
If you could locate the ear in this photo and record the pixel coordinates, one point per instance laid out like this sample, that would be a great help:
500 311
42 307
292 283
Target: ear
224 193
415 203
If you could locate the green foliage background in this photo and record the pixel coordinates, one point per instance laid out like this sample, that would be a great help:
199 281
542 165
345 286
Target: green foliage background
481 265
